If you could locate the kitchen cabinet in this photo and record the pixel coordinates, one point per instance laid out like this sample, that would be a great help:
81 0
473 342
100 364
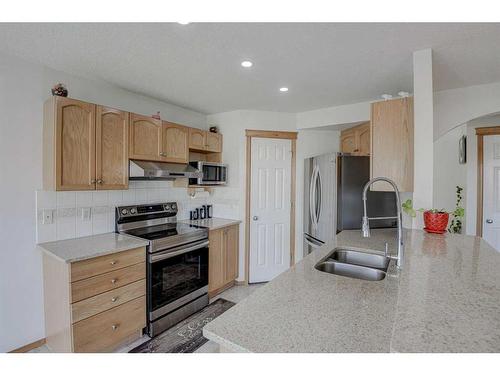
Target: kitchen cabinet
111 148
84 146
223 259
145 138
96 304
356 140
175 139
202 140
392 143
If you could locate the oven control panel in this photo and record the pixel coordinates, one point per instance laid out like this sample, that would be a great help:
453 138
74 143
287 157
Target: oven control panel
147 210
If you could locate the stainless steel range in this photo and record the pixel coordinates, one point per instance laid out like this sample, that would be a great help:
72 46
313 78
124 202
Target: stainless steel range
177 262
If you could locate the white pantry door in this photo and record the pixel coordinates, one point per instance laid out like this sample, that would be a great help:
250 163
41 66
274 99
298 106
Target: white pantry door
491 188
270 208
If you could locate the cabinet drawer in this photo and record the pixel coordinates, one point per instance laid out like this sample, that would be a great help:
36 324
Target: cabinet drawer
107 330
105 301
102 283
96 266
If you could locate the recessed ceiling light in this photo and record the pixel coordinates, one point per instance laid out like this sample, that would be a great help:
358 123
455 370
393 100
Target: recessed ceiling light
246 64
183 23
283 89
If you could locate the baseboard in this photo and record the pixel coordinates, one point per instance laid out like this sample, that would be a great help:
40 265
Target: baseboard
240 283
31 346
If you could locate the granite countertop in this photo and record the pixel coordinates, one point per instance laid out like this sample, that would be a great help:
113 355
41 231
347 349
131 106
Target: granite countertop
213 223
445 299
74 250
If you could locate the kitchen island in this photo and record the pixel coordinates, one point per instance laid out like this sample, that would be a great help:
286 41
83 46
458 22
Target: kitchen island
446 298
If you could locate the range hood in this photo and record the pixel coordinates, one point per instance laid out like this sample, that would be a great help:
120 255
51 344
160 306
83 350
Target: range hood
155 170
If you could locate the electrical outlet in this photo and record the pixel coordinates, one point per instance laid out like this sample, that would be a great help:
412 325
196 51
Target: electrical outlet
86 213
47 216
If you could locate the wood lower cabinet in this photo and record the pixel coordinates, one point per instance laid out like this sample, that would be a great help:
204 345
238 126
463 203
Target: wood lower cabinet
356 140
85 146
223 258
175 143
145 138
392 143
94 305
111 148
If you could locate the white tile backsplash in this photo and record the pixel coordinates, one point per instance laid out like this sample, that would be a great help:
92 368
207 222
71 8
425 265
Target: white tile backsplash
67 206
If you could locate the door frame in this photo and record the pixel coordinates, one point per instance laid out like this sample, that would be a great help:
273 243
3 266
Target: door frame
292 136
480 134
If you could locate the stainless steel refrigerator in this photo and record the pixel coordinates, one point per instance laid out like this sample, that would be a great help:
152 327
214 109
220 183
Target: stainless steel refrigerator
333 185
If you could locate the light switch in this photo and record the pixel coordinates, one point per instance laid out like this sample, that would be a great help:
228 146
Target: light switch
86 213
48 216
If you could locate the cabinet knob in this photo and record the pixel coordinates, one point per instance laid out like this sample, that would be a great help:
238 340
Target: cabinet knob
113 262
489 221
99 181
114 299
163 154
114 327
113 281
93 181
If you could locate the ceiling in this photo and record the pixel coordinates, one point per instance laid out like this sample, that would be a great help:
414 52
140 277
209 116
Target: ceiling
197 66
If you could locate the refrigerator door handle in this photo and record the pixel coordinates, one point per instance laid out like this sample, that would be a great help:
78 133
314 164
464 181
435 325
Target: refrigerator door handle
319 193
312 197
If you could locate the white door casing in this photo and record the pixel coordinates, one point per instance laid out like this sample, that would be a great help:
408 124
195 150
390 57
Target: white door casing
491 190
270 204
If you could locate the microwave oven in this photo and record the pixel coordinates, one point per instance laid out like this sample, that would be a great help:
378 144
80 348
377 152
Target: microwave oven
211 173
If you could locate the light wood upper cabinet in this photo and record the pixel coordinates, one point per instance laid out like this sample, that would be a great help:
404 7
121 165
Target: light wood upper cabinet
69 144
175 143
214 142
223 258
111 149
145 138
392 143
356 140
197 139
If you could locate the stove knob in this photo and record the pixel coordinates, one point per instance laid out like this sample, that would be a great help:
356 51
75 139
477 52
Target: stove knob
124 211
133 211
174 206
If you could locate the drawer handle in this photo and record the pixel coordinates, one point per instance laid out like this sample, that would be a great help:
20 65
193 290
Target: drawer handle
114 327
113 262
113 281
114 299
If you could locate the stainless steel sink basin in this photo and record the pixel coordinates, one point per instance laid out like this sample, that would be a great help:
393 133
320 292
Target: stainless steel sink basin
355 264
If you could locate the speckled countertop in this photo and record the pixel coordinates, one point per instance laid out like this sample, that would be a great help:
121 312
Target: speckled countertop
213 223
445 299
76 249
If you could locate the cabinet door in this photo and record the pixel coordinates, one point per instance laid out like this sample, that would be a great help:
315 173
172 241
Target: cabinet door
392 143
75 145
231 239
348 141
214 142
111 148
145 138
216 260
175 143
363 140
197 139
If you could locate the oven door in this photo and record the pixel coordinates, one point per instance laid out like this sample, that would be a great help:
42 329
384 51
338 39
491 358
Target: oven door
176 276
214 173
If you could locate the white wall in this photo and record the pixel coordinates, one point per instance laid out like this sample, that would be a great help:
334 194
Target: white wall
448 172
233 125
24 87
338 115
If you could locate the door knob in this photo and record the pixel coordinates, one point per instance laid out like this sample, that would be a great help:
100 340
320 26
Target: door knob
255 218
489 221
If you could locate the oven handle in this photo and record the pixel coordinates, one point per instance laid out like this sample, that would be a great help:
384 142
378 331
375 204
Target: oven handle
157 257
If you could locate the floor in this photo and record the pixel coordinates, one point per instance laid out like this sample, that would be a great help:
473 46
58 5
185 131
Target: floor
234 294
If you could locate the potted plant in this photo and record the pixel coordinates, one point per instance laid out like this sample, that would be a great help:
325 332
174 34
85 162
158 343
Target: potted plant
436 221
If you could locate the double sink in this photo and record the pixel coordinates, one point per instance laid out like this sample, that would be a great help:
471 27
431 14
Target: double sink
348 262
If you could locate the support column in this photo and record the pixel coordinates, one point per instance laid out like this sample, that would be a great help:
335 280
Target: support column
424 132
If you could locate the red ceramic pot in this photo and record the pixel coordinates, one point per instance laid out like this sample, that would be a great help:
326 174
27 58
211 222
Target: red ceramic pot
436 222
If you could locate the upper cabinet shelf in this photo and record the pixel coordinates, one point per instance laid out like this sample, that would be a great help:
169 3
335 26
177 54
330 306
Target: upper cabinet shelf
87 146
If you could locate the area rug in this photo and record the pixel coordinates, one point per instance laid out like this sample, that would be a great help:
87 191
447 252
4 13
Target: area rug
186 336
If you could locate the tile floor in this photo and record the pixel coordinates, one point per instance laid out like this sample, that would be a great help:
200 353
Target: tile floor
234 294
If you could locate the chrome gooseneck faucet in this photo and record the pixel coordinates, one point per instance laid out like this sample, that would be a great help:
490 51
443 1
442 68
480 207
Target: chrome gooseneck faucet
365 228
